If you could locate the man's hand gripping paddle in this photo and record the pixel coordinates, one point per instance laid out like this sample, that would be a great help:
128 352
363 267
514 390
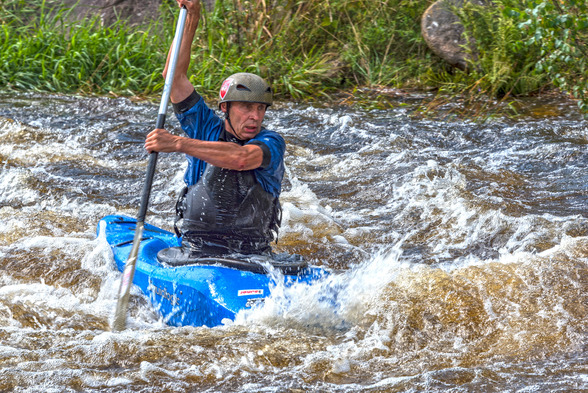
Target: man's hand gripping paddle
120 316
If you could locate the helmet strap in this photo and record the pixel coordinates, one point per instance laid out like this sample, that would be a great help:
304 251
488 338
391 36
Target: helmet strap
228 106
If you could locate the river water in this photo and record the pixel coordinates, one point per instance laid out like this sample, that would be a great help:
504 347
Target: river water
459 253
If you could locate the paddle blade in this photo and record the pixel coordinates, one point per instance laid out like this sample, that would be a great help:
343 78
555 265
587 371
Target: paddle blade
120 315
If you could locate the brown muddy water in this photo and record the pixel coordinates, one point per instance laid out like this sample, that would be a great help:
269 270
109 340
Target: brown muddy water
459 252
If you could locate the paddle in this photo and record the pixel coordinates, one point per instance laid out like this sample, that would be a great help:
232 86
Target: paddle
120 315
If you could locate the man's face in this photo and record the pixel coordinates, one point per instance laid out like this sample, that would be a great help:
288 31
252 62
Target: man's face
246 118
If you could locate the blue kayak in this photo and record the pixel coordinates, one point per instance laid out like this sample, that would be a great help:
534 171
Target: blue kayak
203 291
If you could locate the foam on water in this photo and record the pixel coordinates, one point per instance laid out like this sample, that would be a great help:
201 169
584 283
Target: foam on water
302 209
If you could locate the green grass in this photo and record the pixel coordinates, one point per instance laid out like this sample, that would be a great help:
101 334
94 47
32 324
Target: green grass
49 53
311 50
306 50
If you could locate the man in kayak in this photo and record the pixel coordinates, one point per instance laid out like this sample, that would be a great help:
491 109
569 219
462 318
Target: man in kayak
235 166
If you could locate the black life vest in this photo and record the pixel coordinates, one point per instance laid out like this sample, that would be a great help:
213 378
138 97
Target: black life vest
228 211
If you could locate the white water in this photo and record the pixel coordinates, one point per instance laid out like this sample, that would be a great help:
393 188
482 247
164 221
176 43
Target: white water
458 252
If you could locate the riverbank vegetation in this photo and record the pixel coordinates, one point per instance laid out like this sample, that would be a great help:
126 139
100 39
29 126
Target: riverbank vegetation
311 50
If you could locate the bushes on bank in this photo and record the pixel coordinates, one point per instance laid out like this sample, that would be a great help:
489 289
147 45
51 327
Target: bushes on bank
305 49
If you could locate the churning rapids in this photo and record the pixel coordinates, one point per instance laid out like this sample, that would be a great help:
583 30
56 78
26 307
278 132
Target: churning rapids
460 253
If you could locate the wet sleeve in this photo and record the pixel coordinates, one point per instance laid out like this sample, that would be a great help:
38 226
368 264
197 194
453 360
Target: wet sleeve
189 102
270 176
267 155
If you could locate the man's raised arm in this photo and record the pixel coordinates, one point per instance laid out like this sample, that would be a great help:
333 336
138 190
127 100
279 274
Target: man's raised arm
181 87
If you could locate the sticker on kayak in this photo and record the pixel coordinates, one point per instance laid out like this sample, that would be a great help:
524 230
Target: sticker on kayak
250 292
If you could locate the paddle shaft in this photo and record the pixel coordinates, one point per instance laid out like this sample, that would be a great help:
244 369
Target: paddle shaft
120 315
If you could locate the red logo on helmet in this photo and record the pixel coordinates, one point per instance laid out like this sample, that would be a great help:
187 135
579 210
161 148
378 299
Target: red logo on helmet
225 87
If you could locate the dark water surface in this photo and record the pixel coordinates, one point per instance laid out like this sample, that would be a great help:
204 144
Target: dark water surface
460 251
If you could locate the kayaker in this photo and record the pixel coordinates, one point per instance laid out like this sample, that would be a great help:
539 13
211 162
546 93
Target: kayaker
235 165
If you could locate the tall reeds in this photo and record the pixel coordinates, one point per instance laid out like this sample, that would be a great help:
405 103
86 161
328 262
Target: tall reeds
52 53
306 49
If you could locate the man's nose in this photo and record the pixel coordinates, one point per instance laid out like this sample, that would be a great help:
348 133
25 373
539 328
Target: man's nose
256 114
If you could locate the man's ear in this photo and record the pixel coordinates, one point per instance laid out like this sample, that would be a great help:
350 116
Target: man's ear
223 107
